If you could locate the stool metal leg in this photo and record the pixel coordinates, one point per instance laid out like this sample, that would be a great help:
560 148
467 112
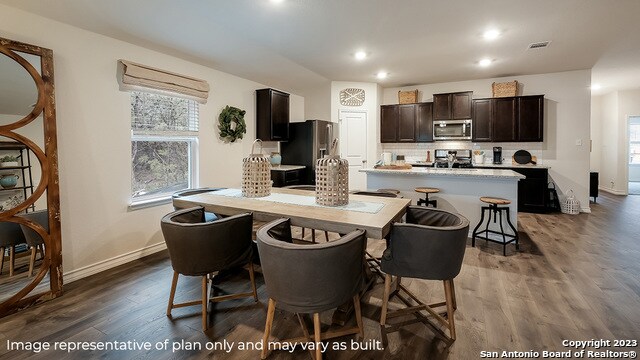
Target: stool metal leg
475 231
486 229
504 238
515 232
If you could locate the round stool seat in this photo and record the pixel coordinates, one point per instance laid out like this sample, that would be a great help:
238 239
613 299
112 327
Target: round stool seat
393 191
494 200
427 190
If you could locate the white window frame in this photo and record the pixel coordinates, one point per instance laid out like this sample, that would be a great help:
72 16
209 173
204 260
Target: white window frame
191 137
633 120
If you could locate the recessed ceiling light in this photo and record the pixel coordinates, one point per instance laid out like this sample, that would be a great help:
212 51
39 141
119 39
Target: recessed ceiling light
360 55
491 34
485 62
596 86
276 1
382 75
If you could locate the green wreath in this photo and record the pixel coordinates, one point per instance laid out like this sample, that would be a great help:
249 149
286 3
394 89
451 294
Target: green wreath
228 116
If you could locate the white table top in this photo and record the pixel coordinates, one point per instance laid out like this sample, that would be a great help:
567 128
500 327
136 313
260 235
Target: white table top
376 225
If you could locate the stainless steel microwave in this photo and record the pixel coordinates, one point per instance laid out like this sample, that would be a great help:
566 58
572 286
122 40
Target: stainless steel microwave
452 130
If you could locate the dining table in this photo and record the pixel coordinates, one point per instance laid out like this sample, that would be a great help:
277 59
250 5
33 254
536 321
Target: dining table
372 214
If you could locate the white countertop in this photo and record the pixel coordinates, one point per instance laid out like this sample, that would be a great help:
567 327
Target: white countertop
287 167
471 173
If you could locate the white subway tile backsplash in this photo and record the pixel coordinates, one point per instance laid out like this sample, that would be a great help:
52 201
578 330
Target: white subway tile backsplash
418 151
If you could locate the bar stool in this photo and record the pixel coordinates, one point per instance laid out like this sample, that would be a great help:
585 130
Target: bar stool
426 191
494 206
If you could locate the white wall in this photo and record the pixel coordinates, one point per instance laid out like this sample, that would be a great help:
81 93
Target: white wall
318 102
370 105
94 138
567 119
611 115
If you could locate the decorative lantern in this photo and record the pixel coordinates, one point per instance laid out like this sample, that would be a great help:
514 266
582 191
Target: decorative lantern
570 205
256 174
332 177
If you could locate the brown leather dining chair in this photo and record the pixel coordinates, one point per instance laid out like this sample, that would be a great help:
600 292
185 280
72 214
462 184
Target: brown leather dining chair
33 239
310 279
200 248
10 236
431 246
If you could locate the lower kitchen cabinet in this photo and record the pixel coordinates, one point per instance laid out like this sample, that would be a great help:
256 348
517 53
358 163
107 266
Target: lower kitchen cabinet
282 178
533 190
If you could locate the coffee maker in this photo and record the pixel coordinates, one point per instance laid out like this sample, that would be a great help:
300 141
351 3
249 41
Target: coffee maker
497 155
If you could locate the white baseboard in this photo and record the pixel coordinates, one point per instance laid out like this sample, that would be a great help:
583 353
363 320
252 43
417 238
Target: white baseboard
100 266
612 191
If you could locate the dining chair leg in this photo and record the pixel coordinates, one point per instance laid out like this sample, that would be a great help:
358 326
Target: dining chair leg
326 235
302 233
271 310
205 302
453 294
313 235
449 298
358 311
253 281
317 335
12 259
2 249
172 293
383 312
32 260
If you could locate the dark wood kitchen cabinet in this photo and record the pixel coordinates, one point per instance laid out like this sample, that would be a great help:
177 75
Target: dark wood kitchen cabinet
481 126
530 114
406 123
532 190
272 115
509 119
452 106
424 122
389 123
504 120
282 178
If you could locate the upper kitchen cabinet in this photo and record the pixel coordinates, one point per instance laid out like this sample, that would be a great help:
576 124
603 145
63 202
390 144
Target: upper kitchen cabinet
452 106
272 115
424 122
504 119
389 123
530 118
509 119
406 123
481 128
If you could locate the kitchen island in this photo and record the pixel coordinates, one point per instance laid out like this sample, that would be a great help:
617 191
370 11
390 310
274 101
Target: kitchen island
460 189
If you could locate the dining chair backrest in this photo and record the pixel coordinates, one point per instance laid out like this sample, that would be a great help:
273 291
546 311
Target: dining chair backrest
10 234
198 248
376 193
430 245
40 217
310 278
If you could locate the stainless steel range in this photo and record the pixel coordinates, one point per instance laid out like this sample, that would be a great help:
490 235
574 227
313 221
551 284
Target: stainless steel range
452 158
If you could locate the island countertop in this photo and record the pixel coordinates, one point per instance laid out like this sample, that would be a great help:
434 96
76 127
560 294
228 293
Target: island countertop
472 173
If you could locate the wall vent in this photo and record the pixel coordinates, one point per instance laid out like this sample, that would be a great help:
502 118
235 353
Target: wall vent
539 45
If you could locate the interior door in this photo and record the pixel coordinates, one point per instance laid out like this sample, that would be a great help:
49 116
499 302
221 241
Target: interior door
353 146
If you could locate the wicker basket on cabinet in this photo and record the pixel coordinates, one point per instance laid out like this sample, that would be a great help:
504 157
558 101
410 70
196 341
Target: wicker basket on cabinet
505 89
408 97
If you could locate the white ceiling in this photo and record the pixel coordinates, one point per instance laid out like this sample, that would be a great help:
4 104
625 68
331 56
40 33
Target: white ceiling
299 44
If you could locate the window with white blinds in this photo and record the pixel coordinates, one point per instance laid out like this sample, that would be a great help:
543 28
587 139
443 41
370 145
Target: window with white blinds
163 145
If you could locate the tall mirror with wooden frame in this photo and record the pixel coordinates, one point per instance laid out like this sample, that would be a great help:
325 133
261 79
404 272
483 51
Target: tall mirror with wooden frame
30 240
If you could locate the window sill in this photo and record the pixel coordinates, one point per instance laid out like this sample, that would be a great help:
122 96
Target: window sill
143 204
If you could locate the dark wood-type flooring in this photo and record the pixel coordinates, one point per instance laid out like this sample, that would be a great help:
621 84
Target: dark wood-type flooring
575 277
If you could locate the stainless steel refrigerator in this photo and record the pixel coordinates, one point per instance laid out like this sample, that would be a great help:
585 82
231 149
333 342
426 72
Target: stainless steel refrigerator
308 142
